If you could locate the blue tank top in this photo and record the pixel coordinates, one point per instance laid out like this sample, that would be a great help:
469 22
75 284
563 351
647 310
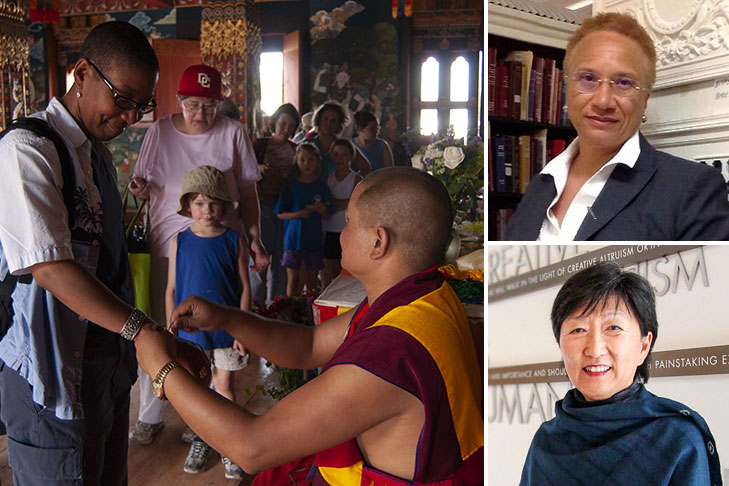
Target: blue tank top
375 153
208 267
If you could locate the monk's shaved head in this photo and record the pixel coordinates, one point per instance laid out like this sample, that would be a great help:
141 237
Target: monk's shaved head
415 209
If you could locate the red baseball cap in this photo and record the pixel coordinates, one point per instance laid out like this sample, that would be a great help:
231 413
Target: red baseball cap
200 80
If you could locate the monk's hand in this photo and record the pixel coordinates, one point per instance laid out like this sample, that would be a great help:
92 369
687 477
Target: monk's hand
197 313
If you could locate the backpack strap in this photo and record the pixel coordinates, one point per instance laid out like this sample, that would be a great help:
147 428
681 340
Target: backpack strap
42 129
45 130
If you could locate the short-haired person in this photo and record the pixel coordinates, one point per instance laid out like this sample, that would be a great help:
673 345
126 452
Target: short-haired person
174 145
376 150
609 429
398 398
330 118
610 184
68 359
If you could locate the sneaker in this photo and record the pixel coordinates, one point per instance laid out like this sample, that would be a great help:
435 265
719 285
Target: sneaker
197 457
232 470
188 435
144 433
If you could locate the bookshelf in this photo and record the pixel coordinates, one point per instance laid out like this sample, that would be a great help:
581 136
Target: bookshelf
523 138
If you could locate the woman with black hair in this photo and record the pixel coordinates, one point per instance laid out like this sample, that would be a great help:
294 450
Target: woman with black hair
376 150
609 429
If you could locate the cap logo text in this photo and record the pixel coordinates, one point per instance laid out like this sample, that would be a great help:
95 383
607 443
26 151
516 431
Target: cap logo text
203 80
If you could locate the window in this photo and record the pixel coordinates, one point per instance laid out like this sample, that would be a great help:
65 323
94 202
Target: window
271 81
448 85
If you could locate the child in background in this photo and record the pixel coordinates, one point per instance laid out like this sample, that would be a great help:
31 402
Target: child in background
210 260
303 203
341 183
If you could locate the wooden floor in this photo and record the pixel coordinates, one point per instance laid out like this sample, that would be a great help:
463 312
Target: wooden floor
160 463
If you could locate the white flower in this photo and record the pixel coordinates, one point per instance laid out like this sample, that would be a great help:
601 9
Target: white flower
453 157
433 152
417 162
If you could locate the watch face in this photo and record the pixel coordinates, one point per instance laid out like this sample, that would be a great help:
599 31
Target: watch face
157 389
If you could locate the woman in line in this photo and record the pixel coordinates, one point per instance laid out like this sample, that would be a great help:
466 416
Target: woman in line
172 147
275 156
610 184
609 429
376 150
329 120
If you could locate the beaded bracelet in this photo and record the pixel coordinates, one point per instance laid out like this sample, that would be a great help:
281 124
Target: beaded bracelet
133 325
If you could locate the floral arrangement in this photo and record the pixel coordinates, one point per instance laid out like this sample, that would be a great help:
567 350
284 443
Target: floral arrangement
291 309
458 165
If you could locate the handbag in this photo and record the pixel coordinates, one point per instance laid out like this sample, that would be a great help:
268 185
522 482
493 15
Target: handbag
139 257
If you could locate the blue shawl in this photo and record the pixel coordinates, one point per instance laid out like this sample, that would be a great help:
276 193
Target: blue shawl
649 441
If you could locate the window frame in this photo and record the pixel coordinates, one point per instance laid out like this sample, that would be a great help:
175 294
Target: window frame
444 105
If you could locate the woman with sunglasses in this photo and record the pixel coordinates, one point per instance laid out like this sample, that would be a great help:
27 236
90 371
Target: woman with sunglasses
172 147
610 184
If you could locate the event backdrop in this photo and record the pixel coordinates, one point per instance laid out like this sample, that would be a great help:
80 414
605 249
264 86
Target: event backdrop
690 361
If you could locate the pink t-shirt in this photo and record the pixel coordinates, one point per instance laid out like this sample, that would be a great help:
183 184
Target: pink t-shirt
168 154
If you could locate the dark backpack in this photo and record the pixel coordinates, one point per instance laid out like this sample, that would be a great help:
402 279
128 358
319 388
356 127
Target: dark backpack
43 129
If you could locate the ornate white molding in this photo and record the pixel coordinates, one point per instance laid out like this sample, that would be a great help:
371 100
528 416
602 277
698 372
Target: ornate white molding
527 27
692 47
688 125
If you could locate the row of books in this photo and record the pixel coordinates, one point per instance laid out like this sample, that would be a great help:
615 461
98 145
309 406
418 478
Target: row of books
523 86
497 227
515 159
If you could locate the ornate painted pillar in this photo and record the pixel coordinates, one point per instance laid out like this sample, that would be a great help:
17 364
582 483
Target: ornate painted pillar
230 41
14 61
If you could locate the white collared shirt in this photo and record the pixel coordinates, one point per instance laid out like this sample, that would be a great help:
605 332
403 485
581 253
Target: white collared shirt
581 205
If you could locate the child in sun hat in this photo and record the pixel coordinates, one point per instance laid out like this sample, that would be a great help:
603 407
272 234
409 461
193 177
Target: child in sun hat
210 260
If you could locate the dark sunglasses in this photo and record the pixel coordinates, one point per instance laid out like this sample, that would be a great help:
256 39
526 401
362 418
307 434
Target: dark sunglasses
122 101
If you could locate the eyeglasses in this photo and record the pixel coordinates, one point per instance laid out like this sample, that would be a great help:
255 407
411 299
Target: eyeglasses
588 82
195 106
123 102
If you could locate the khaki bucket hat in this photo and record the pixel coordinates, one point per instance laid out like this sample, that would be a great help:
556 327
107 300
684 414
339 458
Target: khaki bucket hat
209 181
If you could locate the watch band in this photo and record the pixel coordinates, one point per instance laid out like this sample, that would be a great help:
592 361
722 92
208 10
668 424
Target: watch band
158 383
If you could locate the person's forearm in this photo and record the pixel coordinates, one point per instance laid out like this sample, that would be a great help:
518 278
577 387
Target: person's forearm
83 293
340 204
245 298
285 344
250 212
169 305
289 215
360 164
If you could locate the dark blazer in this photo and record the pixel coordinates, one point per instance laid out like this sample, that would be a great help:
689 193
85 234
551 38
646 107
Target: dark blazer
662 198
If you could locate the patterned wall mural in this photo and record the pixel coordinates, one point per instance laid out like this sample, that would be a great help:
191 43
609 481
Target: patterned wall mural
155 24
354 60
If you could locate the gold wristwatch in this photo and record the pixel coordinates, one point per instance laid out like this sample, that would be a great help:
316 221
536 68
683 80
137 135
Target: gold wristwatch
158 384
